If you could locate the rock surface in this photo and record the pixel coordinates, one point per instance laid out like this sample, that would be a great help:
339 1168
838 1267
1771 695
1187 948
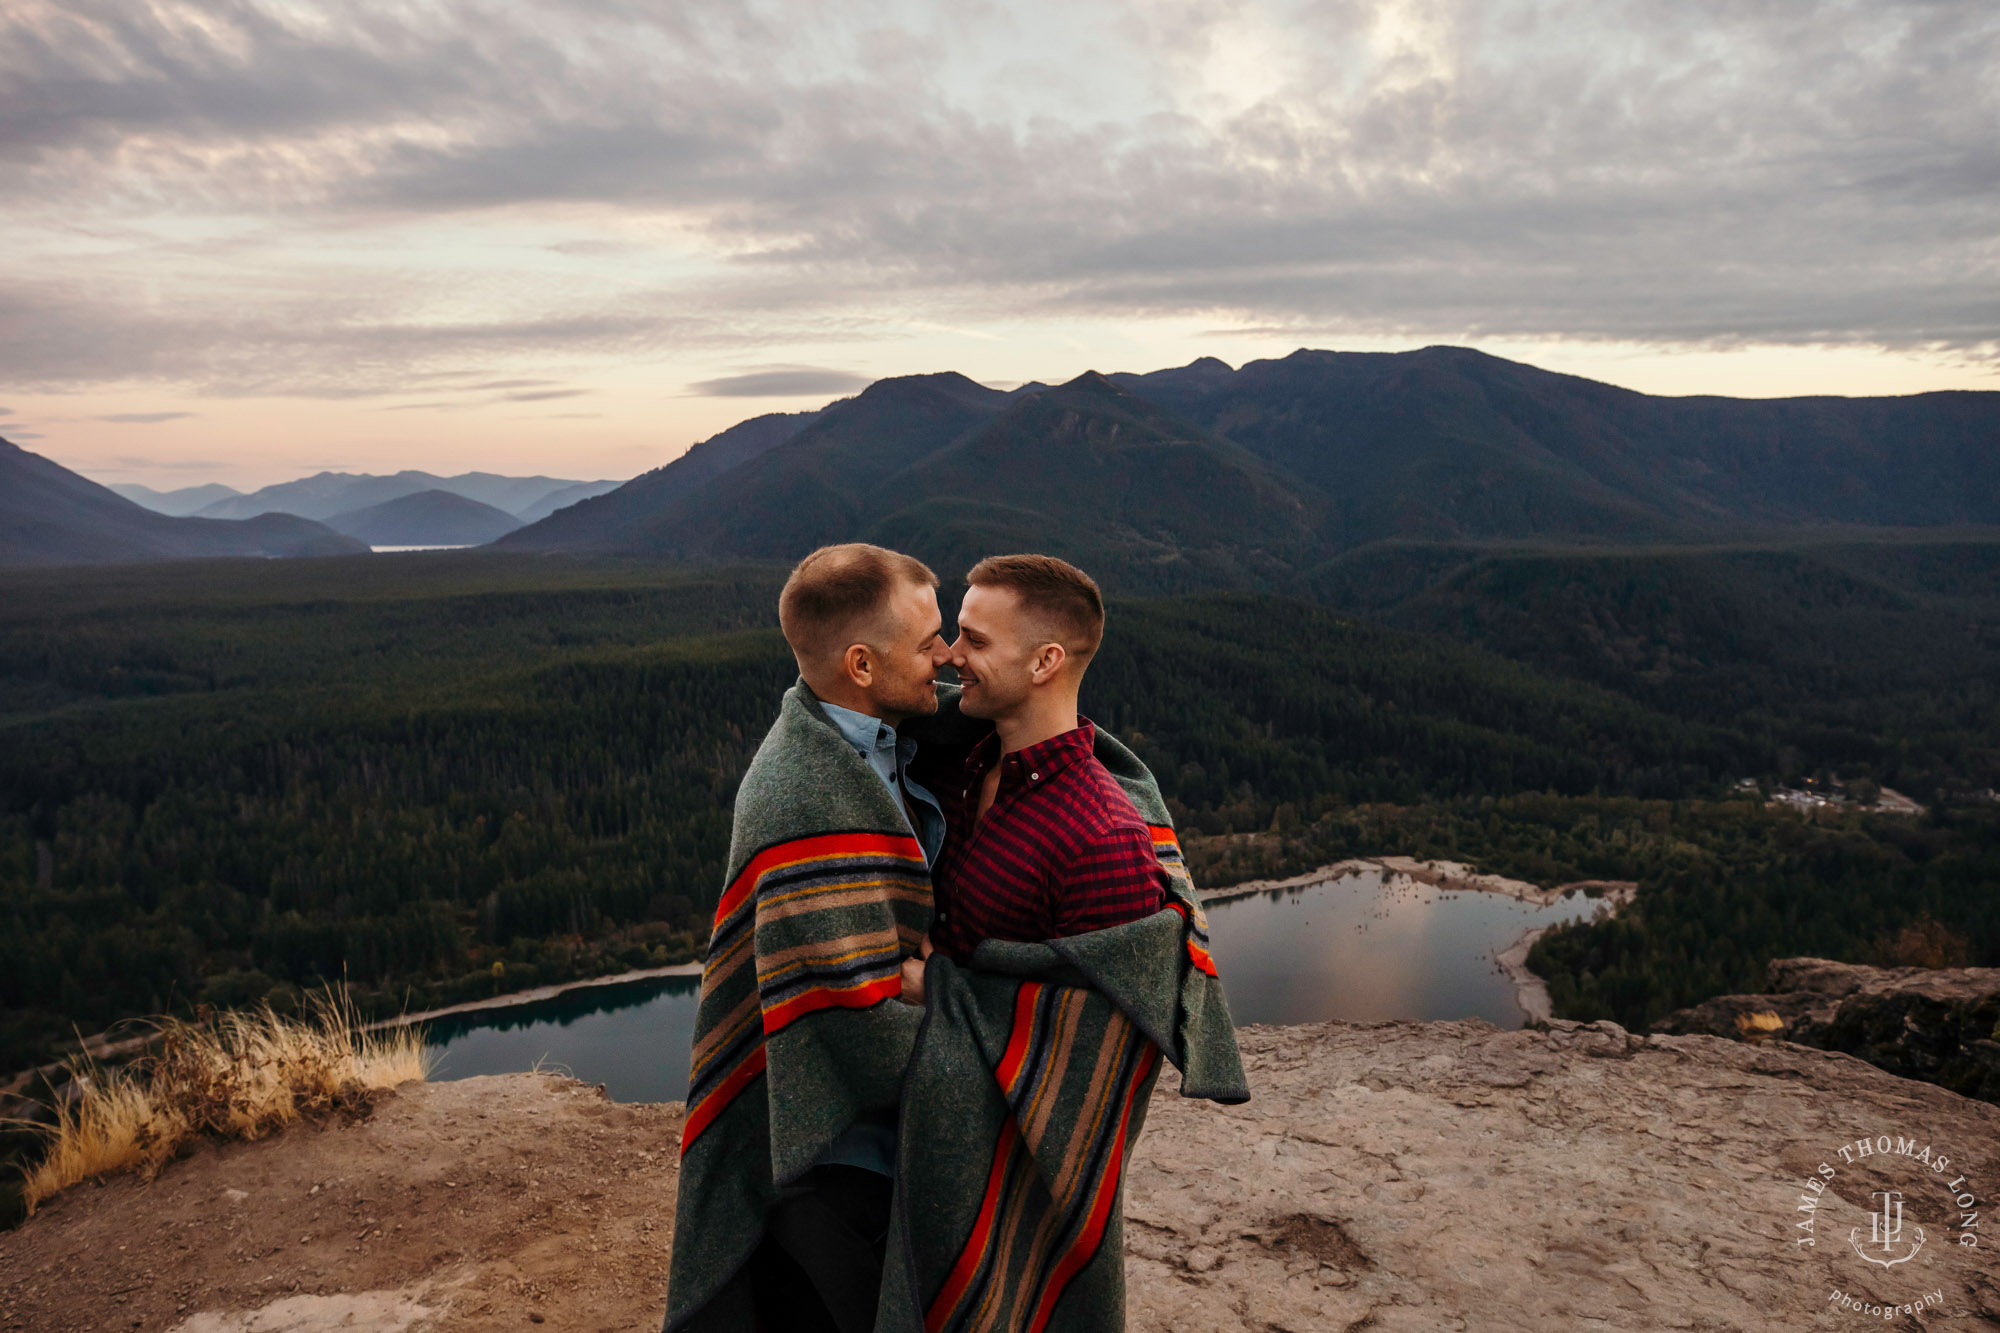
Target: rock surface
1454 1176
1384 1177
1938 1025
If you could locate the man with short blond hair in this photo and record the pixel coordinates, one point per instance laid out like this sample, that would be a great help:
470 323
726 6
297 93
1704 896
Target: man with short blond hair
841 594
789 1152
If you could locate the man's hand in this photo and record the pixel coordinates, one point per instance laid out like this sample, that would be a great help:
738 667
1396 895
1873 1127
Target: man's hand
913 974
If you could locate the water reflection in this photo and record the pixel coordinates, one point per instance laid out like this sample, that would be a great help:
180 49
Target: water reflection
1364 948
1369 947
633 1037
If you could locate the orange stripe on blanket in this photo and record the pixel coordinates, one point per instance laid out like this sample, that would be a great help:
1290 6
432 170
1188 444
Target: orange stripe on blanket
967 1266
1085 1248
1202 960
853 997
1200 957
825 847
713 1105
1009 1070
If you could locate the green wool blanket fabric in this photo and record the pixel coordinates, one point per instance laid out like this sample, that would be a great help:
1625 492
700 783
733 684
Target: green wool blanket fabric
1022 1083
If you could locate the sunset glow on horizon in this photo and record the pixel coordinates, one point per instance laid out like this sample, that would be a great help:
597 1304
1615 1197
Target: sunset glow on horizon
247 240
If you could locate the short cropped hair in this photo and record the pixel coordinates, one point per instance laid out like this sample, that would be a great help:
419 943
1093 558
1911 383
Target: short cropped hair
1055 590
837 590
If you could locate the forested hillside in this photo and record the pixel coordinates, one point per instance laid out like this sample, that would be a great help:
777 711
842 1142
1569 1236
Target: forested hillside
1449 442
1878 656
453 775
478 762
1724 884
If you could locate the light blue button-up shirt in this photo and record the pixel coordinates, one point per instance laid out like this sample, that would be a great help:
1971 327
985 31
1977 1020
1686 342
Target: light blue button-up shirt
870 1142
889 755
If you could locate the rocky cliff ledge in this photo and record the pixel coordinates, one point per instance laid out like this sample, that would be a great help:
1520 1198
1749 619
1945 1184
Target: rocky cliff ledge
1398 1176
1938 1025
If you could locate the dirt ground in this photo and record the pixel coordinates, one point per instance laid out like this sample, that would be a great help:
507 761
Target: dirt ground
1394 1178
487 1203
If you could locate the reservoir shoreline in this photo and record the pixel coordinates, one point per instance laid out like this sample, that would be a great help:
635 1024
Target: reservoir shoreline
535 995
1531 992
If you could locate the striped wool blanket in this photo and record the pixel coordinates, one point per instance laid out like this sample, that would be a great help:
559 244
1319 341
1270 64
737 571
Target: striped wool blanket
799 1030
1027 1090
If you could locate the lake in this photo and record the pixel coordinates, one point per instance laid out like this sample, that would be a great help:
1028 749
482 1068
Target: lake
1365 947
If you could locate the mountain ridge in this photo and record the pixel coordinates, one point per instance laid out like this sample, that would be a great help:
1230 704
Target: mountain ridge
1282 465
183 502
51 515
599 520
426 518
809 479
1262 476
324 494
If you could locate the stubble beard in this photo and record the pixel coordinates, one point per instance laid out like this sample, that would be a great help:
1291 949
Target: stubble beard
922 700
982 705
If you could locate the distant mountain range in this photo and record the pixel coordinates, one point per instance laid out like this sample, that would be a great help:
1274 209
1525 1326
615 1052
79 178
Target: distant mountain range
1204 475
428 518
182 503
50 515
328 496
325 494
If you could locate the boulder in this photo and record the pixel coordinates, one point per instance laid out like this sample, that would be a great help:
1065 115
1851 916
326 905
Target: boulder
1941 1025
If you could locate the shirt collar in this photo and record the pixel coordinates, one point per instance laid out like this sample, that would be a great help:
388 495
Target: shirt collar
863 732
866 733
1041 761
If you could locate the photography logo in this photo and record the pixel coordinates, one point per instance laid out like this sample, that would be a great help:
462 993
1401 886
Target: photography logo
1905 1182
1885 1229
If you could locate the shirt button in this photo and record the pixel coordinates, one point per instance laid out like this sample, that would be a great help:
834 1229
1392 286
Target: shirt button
1034 777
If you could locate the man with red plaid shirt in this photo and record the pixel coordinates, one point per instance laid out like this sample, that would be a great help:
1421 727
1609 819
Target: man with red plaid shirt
1041 840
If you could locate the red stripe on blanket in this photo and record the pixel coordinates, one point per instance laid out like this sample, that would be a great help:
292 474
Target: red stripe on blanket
853 997
1009 1070
702 1116
823 847
1200 957
1087 1241
967 1266
1163 833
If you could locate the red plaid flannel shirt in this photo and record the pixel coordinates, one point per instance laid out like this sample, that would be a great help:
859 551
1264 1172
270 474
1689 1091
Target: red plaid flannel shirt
1062 850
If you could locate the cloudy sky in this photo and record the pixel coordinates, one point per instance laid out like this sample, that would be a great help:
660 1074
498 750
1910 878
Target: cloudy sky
245 239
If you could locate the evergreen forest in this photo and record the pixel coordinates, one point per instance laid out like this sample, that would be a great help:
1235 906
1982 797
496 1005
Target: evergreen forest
450 775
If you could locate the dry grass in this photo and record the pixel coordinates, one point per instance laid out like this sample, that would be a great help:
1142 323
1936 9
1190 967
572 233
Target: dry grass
234 1074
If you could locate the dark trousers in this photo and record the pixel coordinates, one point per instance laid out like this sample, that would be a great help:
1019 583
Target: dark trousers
820 1264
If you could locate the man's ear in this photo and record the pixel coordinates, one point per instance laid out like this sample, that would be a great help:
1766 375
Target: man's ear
1047 664
858 665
